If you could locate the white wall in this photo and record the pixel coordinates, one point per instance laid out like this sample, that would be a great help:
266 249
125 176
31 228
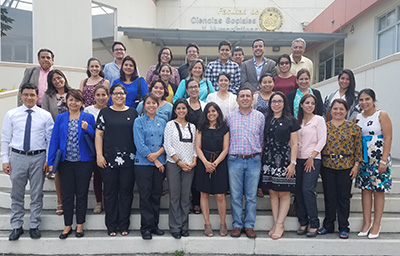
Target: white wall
64 27
382 77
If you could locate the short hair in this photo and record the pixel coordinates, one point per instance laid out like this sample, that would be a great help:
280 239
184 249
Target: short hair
45 50
176 103
302 71
29 86
265 75
257 40
299 40
153 83
243 88
116 86
339 101
238 49
101 86
77 94
194 62
134 75
117 42
101 73
225 42
223 73
192 45
286 56
51 89
150 96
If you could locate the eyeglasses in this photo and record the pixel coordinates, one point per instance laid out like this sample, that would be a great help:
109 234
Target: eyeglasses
118 94
191 52
277 102
193 87
166 54
119 50
284 63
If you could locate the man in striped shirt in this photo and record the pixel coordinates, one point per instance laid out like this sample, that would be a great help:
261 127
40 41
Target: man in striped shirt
246 127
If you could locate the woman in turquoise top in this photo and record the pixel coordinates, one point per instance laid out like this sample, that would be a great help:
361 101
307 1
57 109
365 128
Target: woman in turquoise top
196 71
160 90
148 131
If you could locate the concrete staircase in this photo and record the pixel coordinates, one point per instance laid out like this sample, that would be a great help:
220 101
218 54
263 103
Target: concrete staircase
96 240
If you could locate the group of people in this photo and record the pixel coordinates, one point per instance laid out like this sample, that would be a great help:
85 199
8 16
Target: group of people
210 130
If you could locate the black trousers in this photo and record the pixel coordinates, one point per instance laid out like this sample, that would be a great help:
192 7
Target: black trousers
75 178
337 194
149 182
118 195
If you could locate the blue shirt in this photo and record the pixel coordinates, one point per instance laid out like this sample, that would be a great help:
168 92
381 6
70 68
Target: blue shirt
111 71
163 112
148 136
258 67
205 88
131 91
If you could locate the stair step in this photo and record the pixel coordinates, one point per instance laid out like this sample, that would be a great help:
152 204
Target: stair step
291 244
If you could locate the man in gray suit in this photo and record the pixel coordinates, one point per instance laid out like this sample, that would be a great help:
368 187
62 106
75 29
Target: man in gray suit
253 68
38 75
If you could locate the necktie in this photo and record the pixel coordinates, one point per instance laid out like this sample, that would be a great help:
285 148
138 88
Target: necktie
27 136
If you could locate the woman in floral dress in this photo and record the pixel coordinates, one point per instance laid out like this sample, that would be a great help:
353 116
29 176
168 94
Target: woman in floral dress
115 155
374 177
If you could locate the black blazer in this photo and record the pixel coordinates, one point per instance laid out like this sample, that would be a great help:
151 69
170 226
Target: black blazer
317 94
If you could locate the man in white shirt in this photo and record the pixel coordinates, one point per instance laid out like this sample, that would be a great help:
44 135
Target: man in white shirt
298 60
26 133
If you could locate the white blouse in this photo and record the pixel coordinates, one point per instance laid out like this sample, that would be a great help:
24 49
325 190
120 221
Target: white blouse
182 146
227 106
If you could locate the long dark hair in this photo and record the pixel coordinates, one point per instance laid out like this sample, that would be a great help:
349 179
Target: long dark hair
134 75
176 103
205 123
101 73
51 89
350 93
300 115
157 69
285 111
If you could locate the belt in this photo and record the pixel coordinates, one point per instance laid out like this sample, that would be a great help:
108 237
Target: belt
247 156
28 153
333 156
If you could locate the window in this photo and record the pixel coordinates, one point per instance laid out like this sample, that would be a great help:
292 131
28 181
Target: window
388 35
331 61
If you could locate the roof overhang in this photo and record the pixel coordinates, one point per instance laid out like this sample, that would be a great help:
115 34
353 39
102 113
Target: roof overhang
180 37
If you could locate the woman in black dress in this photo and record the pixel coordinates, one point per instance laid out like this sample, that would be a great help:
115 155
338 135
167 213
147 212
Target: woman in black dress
279 159
212 146
115 157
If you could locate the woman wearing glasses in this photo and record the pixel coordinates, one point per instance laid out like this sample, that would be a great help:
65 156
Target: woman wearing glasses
164 57
279 159
285 82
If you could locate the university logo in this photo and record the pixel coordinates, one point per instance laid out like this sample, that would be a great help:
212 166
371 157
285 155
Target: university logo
270 19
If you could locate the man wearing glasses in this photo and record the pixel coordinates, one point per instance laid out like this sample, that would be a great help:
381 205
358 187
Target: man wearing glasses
192 52
111 70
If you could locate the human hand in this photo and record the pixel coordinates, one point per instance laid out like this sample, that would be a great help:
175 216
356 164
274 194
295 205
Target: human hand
7 168
152 157
309 165
101 161
84 125
354 172
159 166
290 171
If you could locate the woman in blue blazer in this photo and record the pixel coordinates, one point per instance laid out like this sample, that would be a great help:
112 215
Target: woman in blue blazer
76 163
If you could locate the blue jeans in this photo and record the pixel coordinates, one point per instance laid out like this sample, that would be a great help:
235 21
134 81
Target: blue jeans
243 180
306 200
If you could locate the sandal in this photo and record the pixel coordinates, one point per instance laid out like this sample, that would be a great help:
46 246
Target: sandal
59 210
97 209
112 233
124 233
276 236
223 231
344 234
207 230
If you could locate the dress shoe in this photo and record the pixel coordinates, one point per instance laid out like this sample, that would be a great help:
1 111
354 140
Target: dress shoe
79 234
16 233
35 233
361 234
236 232
302 232
146 235
250 233
312 233
176 235
374 236
65 235
184 233
157 231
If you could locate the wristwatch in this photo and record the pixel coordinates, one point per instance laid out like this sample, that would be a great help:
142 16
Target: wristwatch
293 162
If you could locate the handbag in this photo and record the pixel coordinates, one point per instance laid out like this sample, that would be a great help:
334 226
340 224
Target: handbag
57 160
89 142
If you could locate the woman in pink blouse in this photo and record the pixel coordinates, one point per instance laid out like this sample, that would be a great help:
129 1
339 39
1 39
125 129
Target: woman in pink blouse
312 139
164 56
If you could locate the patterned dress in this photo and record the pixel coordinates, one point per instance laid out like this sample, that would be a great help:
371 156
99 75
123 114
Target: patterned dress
88 92
369 177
